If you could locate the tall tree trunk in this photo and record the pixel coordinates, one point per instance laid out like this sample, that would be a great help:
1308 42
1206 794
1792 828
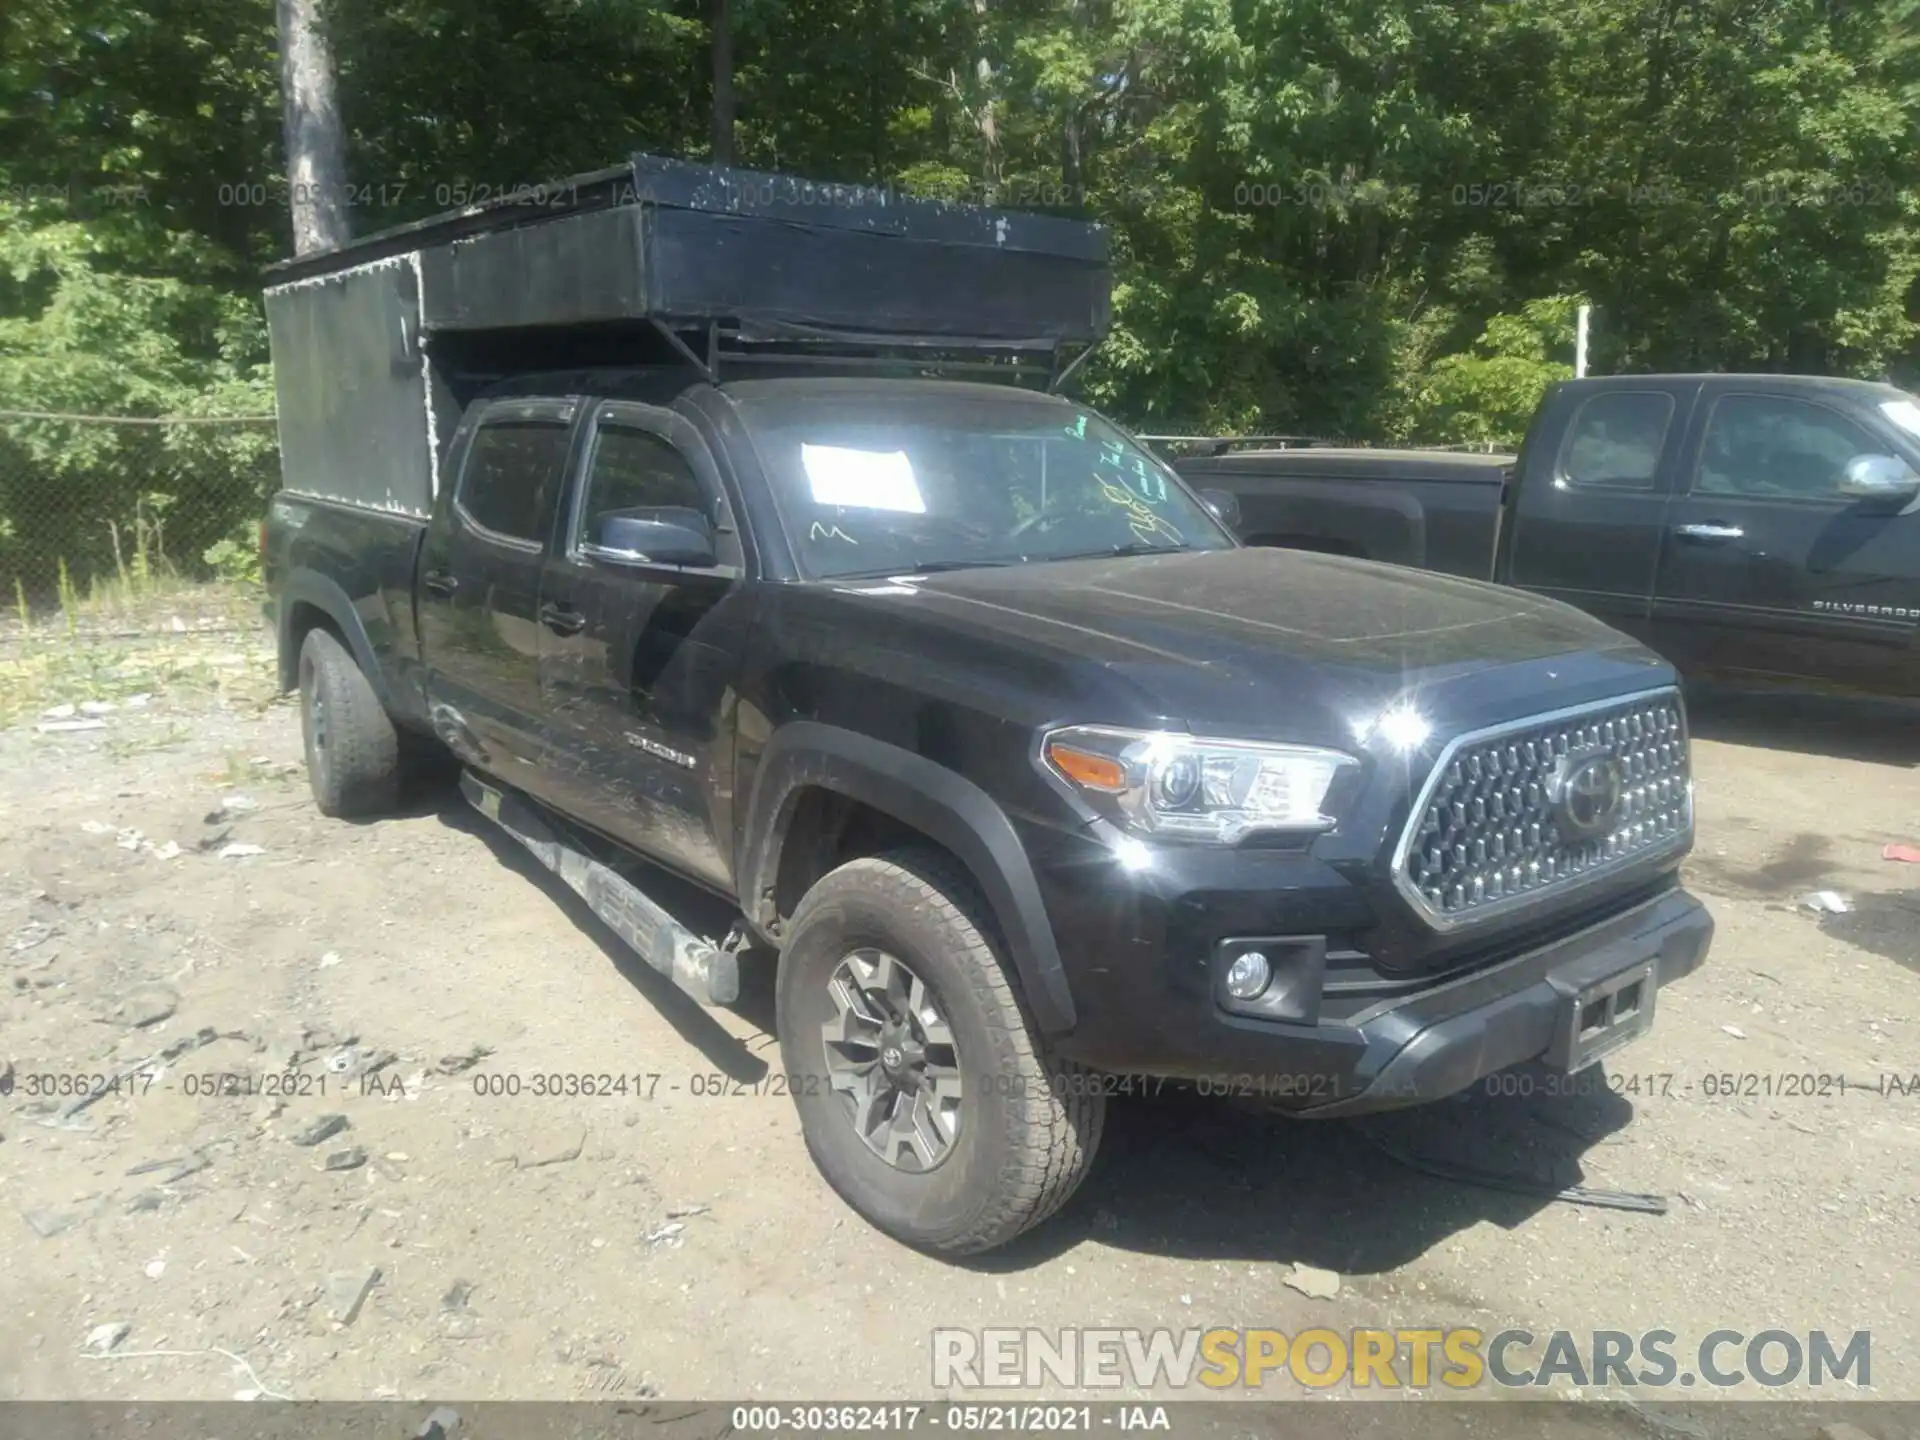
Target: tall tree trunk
879 54
720 23
1070 157
989 124
1071 114
316 143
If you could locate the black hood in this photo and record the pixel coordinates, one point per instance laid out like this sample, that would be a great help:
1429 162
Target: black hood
1262 642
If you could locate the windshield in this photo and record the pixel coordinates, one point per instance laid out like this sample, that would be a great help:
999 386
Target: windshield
877 484
1904 412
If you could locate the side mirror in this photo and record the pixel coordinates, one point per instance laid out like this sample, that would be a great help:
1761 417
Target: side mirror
656 535
1225 506
1884 478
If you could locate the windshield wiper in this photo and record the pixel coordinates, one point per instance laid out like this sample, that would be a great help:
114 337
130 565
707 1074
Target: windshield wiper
924 567
935 567
1118 552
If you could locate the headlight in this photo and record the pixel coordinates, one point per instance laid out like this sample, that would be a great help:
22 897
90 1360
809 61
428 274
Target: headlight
1184 787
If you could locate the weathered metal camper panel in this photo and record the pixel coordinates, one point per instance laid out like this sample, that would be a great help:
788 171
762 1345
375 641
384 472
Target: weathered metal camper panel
570 270
814 275
738 252
350 387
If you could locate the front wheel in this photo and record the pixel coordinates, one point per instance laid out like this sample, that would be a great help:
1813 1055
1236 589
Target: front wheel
928 1099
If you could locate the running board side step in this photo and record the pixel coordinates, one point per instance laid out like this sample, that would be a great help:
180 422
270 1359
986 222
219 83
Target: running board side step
708 974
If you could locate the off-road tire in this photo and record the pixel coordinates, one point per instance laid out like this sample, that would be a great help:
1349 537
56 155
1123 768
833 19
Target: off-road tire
1030 1121
353 750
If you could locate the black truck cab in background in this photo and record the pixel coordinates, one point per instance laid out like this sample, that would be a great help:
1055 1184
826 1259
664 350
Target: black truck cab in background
1758 525
1753 526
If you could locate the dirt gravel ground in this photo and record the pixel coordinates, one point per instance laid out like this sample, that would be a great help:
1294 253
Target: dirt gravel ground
675 1241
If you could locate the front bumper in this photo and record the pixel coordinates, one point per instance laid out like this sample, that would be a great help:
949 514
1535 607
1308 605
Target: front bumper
1145 953
1442 1040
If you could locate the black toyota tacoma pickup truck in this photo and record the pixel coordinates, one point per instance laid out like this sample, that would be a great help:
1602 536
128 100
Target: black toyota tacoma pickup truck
1755 527
1032 778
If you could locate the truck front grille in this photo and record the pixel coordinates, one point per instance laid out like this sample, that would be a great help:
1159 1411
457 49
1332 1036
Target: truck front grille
1543 805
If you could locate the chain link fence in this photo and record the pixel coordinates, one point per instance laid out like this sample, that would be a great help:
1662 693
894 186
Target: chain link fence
101 504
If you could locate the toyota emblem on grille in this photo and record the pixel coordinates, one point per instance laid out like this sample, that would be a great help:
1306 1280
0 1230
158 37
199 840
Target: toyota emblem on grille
1587 792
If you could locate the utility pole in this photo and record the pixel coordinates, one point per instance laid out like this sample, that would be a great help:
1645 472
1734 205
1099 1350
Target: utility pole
1580 342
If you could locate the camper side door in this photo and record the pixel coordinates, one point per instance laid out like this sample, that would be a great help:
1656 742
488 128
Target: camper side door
479 587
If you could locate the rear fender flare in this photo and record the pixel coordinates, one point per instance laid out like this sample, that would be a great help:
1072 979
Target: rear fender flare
310 587
946 807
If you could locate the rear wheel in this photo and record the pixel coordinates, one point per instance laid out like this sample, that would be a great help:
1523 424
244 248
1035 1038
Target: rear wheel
927 1097
353 750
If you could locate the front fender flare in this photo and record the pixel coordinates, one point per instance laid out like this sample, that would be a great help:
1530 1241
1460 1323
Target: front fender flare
946 807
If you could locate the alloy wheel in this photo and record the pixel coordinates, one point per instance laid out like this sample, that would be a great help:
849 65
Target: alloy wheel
892 1060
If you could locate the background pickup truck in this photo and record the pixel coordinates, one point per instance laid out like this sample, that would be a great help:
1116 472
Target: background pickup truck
1757 526
1022 775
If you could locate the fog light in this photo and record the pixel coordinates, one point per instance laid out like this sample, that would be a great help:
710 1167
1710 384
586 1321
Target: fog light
1248 975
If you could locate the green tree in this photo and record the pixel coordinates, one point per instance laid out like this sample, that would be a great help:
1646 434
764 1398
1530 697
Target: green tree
1489 393
1324 217
80 336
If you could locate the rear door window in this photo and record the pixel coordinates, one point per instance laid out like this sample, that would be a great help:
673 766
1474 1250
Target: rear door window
510 486
1615 440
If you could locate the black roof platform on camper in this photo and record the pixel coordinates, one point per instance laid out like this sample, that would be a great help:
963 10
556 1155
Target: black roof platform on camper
377 346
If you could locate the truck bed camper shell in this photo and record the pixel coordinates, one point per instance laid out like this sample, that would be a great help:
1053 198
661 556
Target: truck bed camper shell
379 344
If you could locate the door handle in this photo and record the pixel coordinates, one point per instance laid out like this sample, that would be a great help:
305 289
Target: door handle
1709 534
440 582
562 620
